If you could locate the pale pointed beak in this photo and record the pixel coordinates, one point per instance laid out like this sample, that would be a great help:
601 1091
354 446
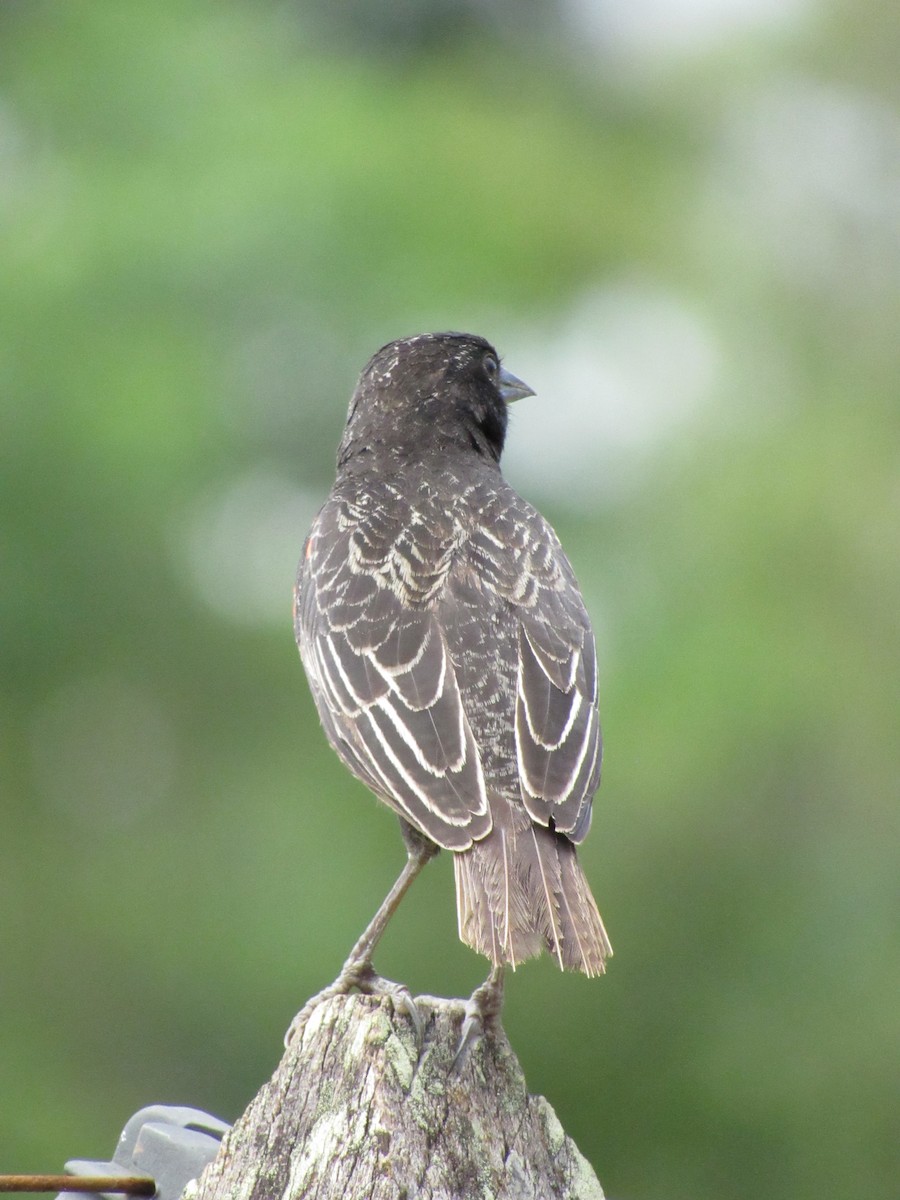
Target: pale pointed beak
512 388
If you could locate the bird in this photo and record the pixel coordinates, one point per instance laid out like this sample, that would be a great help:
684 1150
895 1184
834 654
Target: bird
453 663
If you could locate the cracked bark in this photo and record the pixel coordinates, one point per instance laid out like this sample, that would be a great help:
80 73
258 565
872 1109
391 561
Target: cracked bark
354 1111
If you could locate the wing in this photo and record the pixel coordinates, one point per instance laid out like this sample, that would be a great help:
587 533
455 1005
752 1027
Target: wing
380 673
557 725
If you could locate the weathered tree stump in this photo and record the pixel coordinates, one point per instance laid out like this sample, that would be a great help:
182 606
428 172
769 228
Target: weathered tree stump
355 1111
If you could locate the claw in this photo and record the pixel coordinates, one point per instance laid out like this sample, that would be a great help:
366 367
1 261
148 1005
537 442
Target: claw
401 998
362 977
472 1031
482 1010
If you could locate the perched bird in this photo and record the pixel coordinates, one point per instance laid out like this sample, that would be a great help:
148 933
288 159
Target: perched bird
451 658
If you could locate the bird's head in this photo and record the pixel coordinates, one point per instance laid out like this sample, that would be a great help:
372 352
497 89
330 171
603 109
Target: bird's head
434 393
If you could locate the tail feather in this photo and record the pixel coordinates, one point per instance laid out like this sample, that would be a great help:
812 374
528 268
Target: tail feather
491 903
589 943
519 890
541 868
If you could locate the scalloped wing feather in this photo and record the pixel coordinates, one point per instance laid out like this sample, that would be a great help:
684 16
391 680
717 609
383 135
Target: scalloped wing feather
384 684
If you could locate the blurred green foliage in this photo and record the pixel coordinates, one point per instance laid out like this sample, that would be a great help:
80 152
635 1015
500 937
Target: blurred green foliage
211 215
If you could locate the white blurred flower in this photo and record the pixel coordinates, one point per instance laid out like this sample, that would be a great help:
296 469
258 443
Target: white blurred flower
628 367
240 545
813 172
645 32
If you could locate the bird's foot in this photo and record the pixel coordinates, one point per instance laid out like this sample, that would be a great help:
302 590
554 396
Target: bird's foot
361 976
365 979
480 1015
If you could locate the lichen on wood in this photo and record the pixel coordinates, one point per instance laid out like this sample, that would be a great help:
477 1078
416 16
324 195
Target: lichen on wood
357 1111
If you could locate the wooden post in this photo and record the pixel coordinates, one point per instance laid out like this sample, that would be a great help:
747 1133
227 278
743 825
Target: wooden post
355 1111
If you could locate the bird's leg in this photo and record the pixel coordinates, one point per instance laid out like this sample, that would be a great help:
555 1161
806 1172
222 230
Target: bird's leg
358 972
481 1012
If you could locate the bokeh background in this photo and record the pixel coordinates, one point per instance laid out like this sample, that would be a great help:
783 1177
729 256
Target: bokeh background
680 222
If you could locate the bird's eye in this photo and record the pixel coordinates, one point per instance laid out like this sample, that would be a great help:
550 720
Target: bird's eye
491 366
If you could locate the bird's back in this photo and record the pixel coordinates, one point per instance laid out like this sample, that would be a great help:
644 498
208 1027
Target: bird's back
465 548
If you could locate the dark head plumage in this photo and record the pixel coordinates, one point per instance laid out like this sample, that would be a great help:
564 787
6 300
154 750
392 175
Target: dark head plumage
433 393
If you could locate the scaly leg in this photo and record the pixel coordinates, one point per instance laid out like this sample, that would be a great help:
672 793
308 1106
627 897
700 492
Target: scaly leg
358 972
